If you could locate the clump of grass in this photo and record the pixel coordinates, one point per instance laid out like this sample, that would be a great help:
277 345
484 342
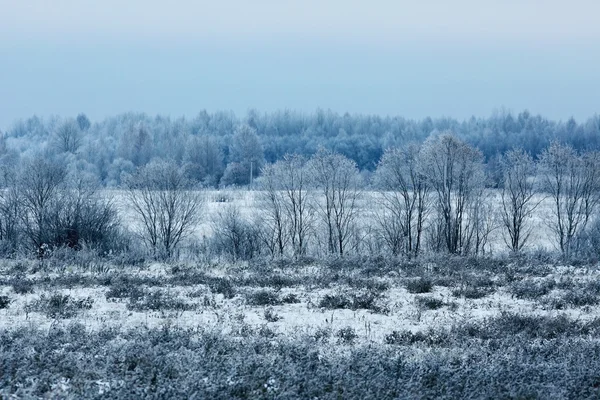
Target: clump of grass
4 302
60 305
270 315
405 338
266 332
223 286
365 300
346 335
419 285
263 298
429 303
472 292
122 289
290 299
335 301
579 297
22 285
322 335
157 300
531 289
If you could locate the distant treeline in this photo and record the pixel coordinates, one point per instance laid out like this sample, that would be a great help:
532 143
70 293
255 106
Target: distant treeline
220 148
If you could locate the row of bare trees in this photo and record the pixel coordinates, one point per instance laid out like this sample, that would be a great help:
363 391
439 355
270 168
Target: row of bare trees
424 197
299 193
43 207
433 195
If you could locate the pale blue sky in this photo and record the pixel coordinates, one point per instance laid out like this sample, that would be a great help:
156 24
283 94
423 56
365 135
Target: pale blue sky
452 58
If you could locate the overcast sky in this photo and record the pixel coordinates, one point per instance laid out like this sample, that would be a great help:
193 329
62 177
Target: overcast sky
432 57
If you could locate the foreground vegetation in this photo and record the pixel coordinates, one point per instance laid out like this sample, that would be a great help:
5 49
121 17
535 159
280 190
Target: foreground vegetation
483 362
77 326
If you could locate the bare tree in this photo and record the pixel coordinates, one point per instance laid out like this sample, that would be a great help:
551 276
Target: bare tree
404 199
10 215
57 210
573 183
235 235
40 185
482 221
275 222
518 197
297 199
165 204
67 137
455 172
338 180
84 216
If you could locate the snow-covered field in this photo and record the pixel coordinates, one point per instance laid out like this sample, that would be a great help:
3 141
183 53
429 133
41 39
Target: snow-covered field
295 300
78 326
247 202
440 327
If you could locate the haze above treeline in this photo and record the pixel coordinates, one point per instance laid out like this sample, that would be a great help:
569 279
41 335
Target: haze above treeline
414 59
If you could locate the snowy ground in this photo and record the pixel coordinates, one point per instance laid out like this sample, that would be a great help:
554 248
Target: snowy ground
223 297
369 328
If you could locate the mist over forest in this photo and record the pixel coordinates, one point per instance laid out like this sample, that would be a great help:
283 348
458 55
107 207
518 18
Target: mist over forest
217 149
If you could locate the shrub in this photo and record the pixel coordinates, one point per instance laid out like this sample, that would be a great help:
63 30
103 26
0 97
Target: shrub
322 335
165 363
530 289
370 284
268 279
123 289
419 285
22 285
60 306
222 286
234 235
263 298
574 298
472 292
271 316
429 303
365 300
157 300
266 332
4 302
529 326
593 287
346 335
290 299
405 338
19 268
335 301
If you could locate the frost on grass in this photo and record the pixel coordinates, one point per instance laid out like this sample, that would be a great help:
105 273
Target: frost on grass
441 317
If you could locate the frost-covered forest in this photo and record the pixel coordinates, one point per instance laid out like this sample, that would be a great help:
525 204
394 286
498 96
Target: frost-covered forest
216 148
